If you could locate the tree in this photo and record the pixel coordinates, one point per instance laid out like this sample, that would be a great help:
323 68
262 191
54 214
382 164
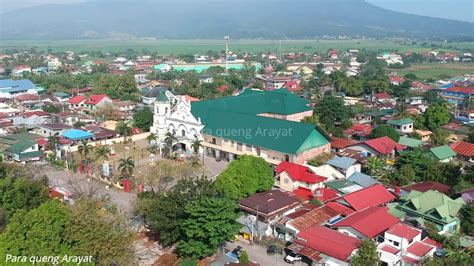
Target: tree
467 219
38 231
210 222
84 149
376 167
439 137
124 129
102 152
406 175
245 176
21 193
143 119
164 212
151 139
126 166
385 130
170 139
470 136
332 109
437 115
104 234
416 159
196 145
366 254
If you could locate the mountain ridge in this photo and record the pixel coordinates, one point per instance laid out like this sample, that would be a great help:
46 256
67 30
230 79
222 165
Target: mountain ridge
183 19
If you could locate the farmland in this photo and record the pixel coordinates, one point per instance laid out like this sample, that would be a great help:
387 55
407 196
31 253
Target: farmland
437 70
167 47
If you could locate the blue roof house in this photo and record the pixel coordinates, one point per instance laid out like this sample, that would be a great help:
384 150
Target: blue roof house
78 135
347 166
362 180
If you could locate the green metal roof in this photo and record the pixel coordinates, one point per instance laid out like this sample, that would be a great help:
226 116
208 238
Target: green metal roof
20 146
400 122
442 152
237 118
432 205
410 142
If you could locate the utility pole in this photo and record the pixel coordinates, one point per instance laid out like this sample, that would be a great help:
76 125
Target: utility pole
226 39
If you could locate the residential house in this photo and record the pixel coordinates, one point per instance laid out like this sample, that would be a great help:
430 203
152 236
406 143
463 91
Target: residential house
31 119
443 153
343 186
429 185
403 245
62 96
293 86
376 195
410 142
94 101
267 208
21 147
76 101
298 179
66 118
432 206
52 129
457 95
362 180
367 224
20 70
383 97
339 144
324 246
383 146
396 80
402 126
288 228
467 195
205 79
424 134
347 166
464 150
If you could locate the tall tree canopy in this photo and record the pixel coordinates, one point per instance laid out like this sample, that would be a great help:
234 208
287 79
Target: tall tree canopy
143 119
210 222
245 176
437 115
366 255
385 130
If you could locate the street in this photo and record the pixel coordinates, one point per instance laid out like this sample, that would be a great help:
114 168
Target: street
259 254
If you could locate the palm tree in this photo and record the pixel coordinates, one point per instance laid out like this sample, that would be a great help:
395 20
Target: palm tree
52 141
124 129
195 145
102 152
126 166
152 138
84 149
170 139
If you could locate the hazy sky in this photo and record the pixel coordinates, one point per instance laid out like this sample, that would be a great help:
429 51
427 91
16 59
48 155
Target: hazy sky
453 9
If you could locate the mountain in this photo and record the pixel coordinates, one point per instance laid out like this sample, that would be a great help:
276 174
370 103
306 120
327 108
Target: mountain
209 19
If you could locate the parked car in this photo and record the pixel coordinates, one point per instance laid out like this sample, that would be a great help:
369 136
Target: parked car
292 257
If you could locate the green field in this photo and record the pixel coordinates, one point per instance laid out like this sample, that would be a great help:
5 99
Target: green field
167 47
437 70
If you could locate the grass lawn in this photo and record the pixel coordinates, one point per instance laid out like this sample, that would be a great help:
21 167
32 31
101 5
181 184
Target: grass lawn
437 70
166 47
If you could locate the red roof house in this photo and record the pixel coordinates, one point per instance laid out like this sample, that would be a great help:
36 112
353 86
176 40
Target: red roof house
299 179
368 223
293 86
396 80
96 99
382 96
375 195
404 231
341 143
429 185
77 99
463 149
326 241
380 146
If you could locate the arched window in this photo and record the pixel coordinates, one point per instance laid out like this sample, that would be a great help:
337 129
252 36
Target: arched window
166 110
183 133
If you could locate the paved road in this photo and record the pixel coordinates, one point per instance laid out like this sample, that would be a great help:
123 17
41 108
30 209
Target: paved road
258 254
